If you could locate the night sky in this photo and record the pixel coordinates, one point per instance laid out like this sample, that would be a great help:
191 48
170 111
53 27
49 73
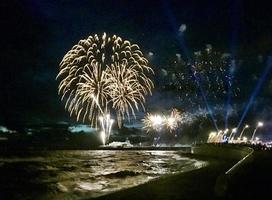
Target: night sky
35 35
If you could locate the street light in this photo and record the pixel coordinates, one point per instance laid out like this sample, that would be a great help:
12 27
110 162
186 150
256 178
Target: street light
226 131
260 124
219 136
245 139
212 136
234 130
245 127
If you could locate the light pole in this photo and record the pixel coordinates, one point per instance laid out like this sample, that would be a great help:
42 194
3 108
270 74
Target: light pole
234 130
219 136
225 134
226 131
260 124
244 139
211 137
257 139
241 134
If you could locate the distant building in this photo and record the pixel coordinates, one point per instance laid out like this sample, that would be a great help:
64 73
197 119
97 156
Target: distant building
121 144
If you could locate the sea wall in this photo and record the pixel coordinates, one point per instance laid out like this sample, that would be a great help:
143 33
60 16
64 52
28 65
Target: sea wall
221 151
236 154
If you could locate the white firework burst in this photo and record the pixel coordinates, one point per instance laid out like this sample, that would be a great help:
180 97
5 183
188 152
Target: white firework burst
100 74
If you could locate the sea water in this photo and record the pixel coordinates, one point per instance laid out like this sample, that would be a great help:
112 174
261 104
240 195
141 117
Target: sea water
84 174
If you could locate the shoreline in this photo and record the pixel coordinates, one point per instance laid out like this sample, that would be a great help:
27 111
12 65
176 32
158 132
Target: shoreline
176 186
208 182
196 184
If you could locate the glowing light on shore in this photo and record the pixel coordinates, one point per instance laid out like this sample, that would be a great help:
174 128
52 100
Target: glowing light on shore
157 122
106 125
103 137
153 122
109 68
212 137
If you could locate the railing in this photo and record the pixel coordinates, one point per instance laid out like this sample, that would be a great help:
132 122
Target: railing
239 162
223 181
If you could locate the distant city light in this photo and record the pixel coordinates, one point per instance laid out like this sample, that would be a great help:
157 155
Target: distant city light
242 132
259 124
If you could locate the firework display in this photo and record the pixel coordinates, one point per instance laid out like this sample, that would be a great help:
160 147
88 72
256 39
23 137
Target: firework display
112 70
153 122
210 70
170 122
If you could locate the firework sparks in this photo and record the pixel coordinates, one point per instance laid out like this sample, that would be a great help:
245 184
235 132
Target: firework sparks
153 122
172 121
209 67
158 122
112 70
106 125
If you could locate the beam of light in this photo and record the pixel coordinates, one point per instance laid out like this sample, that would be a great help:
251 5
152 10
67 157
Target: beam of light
205 101
182 45
256 90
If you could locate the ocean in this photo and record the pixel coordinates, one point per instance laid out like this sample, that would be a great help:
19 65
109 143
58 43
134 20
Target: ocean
77 174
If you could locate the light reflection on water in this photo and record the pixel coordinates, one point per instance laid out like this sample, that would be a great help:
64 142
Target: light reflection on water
86 174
